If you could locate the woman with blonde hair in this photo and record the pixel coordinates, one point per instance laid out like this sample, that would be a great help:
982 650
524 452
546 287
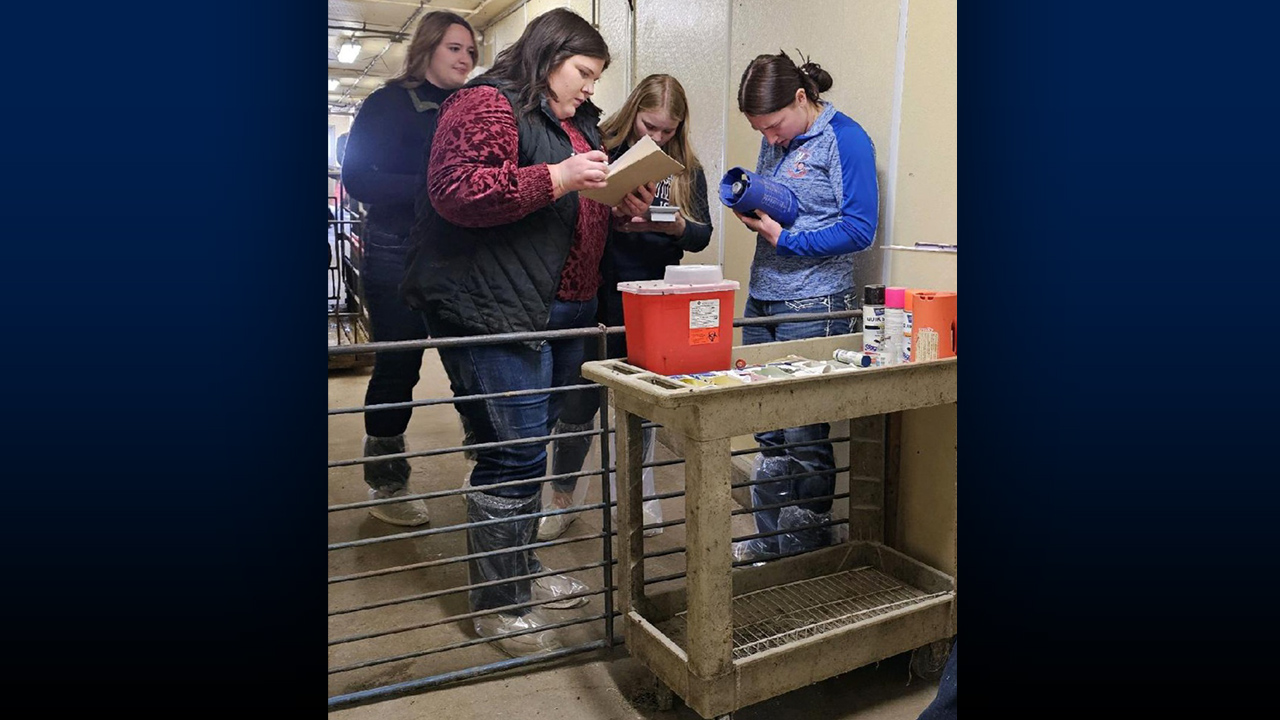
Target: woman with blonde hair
637 250
383 168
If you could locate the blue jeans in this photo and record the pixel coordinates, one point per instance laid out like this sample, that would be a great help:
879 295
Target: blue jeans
516 366
395 373
809 458
581 406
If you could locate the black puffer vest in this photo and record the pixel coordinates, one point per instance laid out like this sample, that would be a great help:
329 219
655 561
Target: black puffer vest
479 281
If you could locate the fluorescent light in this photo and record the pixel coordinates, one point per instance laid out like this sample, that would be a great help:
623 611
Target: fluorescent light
333 84
349 51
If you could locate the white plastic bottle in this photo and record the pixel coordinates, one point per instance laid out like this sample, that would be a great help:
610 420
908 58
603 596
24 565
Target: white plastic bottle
894 298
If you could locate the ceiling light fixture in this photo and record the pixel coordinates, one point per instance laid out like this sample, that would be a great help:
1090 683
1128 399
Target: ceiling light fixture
333 84
349 51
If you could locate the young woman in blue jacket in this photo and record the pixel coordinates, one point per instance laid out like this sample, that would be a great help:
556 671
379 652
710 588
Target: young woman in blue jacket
828 161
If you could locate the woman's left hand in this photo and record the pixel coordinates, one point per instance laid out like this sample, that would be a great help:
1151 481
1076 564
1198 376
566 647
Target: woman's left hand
674 228
768 228
635 203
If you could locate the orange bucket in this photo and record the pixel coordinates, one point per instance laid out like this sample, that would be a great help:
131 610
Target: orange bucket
936 312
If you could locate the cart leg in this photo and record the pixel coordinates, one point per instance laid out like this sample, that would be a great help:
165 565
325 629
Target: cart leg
928 661
664 697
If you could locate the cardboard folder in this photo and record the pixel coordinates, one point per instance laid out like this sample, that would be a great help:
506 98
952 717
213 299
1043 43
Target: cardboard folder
643 163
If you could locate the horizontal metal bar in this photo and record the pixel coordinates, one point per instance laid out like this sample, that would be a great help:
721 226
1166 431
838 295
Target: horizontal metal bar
748 511
743 563
787 446
793 476
540 439
501 338
462 588
797 317
461 491
460 558
513 483
740 563
470 340
777 506
663 578
460 399
388 692
464 616
771 533
463 526
664 553
465 643
493 486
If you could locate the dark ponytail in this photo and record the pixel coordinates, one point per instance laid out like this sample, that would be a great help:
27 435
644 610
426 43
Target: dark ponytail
821 78
770 82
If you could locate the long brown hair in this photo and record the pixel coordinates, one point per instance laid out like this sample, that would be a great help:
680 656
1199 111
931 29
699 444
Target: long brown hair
548 40
426 38
770 82
659 92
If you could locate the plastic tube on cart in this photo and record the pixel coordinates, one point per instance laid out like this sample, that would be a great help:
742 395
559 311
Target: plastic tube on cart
873 319
894 299
746 192
855 358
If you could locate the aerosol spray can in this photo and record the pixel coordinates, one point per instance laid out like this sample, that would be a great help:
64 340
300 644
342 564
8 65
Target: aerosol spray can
893 324
873 319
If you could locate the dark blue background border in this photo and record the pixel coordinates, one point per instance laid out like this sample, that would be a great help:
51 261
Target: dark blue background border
165 374
164 363
1117 505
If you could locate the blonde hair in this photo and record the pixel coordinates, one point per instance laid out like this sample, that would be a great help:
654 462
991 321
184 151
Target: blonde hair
659 92
426 38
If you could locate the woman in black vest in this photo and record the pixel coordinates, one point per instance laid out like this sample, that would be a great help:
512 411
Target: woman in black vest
507 245
383 169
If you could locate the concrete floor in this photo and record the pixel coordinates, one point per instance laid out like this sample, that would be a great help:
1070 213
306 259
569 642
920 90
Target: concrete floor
593 685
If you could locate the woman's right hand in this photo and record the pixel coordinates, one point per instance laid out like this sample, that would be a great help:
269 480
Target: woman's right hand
579 172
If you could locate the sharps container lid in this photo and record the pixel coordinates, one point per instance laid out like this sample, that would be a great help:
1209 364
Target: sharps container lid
692 274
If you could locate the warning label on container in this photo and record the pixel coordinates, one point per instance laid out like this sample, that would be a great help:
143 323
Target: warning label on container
704 314
703 336
704 321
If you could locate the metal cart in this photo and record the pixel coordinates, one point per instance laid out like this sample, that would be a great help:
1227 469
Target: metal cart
793 621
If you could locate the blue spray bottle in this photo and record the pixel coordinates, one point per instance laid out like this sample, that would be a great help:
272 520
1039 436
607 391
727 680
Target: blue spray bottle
745 192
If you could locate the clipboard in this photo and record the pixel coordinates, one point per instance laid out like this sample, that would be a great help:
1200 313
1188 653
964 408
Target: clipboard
643 163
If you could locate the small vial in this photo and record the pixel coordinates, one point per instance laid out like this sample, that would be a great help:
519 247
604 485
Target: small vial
853 357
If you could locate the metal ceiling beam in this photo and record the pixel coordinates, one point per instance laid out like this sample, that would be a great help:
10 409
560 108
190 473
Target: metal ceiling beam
416 3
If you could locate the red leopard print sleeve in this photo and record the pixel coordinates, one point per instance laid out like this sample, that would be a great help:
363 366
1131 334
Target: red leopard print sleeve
475 178
476 181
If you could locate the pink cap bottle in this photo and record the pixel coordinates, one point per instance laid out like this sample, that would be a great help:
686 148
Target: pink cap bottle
895 297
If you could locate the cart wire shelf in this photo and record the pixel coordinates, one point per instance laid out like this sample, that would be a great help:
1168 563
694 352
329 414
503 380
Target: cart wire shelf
784 614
